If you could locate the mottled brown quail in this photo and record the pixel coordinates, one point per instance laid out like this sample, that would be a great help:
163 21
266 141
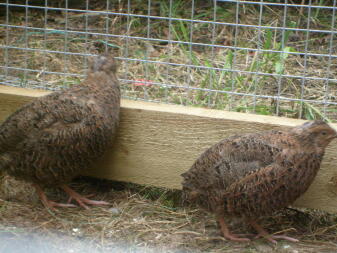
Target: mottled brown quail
253 175
53 139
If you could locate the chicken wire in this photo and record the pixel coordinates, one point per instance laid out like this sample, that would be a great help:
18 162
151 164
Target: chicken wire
265 57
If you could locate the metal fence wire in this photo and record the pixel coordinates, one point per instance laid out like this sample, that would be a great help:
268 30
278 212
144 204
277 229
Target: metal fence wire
273 57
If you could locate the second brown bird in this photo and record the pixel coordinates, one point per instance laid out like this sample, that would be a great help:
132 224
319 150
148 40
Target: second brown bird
252 175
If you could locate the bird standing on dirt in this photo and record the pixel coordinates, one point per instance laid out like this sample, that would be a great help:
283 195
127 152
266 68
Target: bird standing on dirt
53 139
252 175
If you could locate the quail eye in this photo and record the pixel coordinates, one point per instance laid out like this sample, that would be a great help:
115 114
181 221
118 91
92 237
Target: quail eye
324 133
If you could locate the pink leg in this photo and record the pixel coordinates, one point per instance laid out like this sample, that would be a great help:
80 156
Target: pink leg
81 200
71 198
272 238
228 235
48 203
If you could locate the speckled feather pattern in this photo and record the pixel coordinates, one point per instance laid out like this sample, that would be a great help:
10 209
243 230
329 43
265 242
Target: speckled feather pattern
254 174
54 138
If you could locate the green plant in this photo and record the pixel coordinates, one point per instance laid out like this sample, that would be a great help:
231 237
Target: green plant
311 112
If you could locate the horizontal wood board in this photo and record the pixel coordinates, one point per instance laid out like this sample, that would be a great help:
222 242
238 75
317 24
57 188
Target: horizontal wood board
158 142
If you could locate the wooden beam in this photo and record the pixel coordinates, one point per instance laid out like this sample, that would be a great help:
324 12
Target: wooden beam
158 142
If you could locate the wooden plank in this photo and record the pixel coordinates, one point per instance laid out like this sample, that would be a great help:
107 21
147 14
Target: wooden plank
158 142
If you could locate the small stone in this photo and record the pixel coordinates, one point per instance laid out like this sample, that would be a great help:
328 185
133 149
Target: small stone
76 232
114 211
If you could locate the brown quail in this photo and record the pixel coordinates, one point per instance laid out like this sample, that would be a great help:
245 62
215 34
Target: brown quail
252 175
53 139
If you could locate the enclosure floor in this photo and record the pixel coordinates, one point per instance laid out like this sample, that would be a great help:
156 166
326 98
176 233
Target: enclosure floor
141 220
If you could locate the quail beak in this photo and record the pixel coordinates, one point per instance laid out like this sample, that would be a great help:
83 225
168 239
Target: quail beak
335 136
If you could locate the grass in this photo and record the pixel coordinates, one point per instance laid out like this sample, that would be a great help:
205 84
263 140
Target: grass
144 219
209 86
191 86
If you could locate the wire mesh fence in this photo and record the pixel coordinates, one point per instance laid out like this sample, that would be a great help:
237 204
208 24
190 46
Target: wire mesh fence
265 57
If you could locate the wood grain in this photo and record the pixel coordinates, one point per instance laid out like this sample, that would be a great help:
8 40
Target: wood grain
158 142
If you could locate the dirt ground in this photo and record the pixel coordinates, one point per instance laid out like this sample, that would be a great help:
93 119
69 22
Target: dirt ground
142 219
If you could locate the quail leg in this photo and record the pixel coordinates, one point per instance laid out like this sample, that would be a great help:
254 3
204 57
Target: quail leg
272 238
81 200
227 234
48 203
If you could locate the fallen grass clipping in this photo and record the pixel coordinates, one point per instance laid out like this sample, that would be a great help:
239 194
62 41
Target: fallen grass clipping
142 219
